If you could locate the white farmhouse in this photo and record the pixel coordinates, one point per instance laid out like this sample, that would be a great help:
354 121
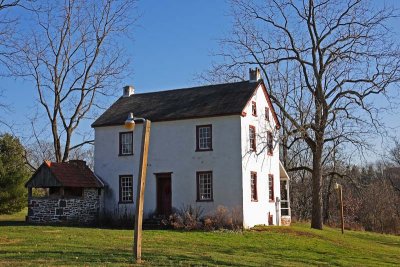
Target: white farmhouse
209 146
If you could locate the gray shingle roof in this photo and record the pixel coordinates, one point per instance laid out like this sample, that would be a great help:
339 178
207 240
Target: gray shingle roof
196 102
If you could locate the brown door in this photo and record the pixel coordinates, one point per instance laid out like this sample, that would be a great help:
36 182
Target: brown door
164 194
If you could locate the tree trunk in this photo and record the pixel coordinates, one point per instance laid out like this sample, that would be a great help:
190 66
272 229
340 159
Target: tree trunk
316 218
327 201
284 151
56 140
67 145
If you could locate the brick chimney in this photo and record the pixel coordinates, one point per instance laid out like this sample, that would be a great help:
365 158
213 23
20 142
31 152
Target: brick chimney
128 91
254 75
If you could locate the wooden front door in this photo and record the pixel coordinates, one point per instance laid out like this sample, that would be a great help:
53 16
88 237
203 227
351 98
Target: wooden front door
164 194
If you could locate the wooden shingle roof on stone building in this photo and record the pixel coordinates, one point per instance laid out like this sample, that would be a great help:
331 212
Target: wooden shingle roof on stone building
74 173
188 103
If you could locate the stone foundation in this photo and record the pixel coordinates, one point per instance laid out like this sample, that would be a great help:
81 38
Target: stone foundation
286 220
77 210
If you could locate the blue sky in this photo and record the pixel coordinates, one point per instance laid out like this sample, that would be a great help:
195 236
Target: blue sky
172 42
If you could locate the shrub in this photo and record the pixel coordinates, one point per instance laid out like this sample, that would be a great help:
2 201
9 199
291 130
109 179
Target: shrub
187 218
190 218
13 175
222 218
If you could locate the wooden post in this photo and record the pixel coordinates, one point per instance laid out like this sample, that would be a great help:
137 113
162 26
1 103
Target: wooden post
341 207
144 151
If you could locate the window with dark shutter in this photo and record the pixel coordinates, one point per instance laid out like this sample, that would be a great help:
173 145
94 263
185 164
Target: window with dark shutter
271 187
252 137
254 108
270 144
267 114
253 184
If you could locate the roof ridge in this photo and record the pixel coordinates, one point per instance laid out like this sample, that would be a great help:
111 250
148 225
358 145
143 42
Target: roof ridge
191 88
185 103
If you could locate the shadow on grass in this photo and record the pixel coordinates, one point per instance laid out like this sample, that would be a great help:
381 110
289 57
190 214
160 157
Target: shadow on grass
94 226
13 223
70 257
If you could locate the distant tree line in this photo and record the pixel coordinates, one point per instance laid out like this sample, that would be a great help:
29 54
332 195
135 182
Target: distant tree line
371 194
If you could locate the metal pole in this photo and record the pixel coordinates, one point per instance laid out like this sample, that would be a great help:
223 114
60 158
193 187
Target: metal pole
341 208
137 241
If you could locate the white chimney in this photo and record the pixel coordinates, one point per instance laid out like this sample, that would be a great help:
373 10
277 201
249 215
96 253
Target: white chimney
254 75
128 91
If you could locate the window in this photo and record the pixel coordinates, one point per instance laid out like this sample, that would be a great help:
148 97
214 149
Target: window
126 189
254 108
285 208
271 187
253 184
204 138
267 114
125 143
270 145
73 191
204 186
252 136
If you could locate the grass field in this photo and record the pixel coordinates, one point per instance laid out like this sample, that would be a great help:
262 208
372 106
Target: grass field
298 245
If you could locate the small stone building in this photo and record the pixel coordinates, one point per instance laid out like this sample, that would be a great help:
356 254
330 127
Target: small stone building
67 193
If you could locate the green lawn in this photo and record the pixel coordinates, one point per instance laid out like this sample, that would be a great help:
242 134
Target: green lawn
298 245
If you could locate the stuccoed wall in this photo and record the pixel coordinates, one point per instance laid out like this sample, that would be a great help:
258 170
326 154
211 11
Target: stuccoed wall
173 149
256 212
83 210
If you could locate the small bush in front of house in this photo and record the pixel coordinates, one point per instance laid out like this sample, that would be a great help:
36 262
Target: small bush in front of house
187 218
223 218
190 218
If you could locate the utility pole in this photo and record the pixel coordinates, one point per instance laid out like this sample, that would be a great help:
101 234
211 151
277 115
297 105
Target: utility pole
141 185
340 190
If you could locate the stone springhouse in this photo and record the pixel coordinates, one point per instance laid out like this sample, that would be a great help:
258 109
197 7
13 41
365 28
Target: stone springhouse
72 194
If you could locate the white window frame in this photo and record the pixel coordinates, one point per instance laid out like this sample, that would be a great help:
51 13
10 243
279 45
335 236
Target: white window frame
204 186
126 189
204 137
126 143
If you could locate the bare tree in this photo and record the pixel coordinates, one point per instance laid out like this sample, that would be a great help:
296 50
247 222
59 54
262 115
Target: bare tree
7 28
342 52
392 165
7 24
73 56
395 153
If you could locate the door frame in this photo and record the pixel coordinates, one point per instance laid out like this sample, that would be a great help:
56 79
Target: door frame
162 175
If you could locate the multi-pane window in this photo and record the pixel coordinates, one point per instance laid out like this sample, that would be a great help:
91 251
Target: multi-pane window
126 189
254 108
271 187
285 210
126 143
204 186
252 137
267 114
270 145
204 137
253 185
